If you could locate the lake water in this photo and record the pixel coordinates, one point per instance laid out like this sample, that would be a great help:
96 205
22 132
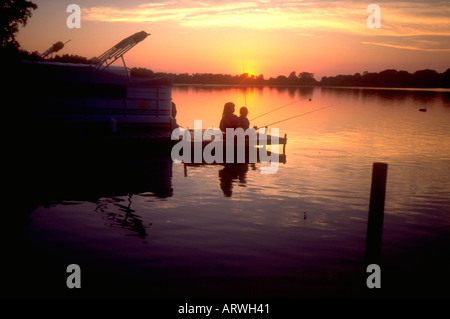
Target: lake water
145 227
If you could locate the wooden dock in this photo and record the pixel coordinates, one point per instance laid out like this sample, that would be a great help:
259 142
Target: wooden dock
217 147
259 139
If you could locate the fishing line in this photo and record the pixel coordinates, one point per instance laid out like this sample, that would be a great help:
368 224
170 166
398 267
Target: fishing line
279 108
289 118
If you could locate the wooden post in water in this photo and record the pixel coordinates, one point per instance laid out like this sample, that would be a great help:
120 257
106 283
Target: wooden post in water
376 214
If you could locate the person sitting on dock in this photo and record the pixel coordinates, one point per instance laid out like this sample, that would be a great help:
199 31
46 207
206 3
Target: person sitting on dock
245 123
229 119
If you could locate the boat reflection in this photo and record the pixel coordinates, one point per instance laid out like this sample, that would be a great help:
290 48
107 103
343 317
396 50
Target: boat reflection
105 176
124 218
109 178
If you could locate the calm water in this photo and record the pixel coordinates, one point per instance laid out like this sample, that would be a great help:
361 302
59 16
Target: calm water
142 226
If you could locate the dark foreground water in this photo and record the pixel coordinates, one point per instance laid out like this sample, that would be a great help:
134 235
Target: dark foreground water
141 226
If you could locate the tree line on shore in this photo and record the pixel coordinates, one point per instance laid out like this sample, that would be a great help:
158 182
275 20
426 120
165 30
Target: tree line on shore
388 78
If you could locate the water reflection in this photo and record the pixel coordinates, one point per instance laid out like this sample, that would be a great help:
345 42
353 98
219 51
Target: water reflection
294 92
124 218
230 174
387 95
59 175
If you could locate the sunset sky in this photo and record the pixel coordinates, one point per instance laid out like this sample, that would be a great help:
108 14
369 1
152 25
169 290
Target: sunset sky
261 37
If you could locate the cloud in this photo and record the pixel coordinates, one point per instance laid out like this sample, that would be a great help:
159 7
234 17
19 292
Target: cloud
398 18
171 11
256 15
427 46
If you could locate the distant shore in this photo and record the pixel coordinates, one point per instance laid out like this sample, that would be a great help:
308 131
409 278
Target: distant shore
429 79
281 86
390 78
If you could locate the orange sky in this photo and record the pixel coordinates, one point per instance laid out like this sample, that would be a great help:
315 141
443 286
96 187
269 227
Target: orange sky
261 37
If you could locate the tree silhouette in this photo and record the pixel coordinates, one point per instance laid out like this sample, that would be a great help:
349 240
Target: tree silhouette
13 13
391 78
292 76
388 78
306 78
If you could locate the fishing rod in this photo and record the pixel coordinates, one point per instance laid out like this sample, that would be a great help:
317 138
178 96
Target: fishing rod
279 108
289 118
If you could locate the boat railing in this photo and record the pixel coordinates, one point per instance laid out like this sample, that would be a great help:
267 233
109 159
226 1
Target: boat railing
137 101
